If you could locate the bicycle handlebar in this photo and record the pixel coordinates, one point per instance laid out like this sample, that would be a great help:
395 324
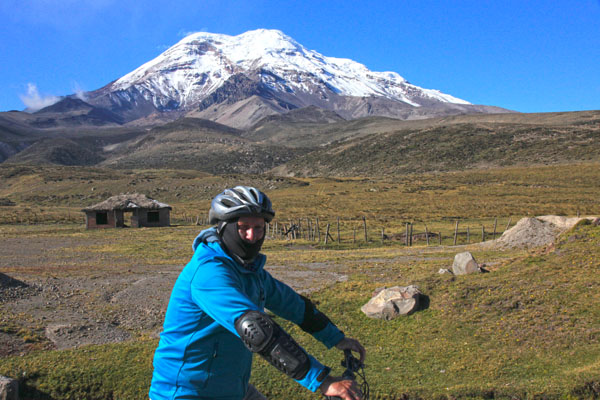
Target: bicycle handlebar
353 366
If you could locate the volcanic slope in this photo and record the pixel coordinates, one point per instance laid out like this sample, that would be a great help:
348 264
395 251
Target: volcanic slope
316 142
236 80
58 151
198 144
454 143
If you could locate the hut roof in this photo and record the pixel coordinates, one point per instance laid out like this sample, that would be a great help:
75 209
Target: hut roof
128 202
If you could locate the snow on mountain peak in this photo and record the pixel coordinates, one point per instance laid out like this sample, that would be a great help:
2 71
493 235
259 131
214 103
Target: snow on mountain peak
202 62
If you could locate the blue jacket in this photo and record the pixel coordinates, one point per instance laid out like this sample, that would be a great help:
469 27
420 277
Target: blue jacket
200 355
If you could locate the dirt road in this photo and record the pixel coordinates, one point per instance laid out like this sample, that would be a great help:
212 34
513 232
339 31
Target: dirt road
44 306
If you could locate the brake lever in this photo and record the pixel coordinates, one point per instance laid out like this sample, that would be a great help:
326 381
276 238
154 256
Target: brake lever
352 365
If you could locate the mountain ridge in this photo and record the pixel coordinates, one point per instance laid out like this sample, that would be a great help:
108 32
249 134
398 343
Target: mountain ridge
208 74
313 142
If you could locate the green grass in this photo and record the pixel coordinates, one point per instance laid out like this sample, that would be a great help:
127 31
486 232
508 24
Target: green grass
474 198
528 329
118 371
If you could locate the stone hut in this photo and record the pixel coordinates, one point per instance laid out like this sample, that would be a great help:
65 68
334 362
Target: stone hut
111 212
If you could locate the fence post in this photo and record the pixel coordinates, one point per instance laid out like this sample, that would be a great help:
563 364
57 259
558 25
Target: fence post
406 235
318 231
455 232
482 233
382 235
327 235
338 229
468 236
507 225
495 224
411 234
440 236
354 235
365 226
426 235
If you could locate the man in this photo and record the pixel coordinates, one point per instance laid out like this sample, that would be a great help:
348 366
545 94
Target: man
215 320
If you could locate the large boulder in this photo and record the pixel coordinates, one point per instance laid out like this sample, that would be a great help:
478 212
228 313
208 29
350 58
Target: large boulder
392 302
464 263
9 388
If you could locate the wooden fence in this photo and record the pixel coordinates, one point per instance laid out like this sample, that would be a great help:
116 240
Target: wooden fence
326 232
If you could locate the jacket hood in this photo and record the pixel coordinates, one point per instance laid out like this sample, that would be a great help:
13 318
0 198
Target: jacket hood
210 235
206 236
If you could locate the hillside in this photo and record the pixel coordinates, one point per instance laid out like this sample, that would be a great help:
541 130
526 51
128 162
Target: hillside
457 143
314 142
198 144
57 151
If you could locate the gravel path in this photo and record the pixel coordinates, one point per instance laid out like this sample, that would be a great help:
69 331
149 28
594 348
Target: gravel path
46 308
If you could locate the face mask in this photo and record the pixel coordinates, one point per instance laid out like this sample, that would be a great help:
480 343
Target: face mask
238 246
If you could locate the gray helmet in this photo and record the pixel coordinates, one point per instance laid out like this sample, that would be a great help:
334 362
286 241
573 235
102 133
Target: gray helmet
240 201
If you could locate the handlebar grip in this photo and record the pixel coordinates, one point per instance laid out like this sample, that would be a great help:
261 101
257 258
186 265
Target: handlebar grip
348 373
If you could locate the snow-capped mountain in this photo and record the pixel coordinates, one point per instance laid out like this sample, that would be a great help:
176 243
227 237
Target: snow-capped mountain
238 79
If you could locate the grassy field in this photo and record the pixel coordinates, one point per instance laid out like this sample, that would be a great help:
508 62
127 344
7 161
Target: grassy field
528 329
31 195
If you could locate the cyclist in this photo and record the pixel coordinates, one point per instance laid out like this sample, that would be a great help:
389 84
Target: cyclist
215 319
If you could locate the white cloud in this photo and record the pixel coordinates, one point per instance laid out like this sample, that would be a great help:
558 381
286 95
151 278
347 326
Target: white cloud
33 101
79 92
184 32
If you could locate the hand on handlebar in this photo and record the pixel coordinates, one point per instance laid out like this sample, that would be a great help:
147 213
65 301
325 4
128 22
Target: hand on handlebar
340 388
354 345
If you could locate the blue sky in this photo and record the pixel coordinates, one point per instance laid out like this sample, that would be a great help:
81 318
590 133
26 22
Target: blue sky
528 56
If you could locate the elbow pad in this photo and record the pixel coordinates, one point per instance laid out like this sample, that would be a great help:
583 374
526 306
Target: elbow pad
314 320
264 336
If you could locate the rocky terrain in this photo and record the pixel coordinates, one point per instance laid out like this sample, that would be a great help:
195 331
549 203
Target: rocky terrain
65 308
314 142
59 309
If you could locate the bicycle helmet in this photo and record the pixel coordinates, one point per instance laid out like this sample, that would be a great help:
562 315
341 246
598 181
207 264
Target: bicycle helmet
240 201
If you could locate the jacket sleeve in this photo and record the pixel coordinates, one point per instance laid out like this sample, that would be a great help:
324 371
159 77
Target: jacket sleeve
219 293
285 302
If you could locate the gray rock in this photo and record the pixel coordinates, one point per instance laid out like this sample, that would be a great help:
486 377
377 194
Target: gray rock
444 271
464 263
9 388
390 303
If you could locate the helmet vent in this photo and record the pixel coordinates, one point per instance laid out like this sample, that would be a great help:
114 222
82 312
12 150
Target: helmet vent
240 201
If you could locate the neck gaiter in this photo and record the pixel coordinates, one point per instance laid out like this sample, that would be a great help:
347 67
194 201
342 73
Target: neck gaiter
237 246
